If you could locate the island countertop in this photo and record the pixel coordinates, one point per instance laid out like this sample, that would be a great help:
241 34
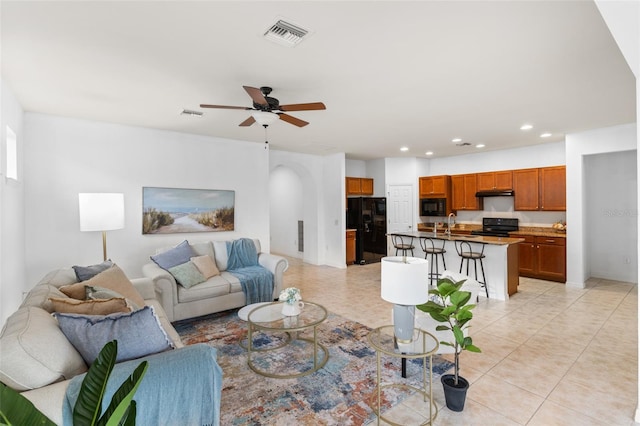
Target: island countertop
483 239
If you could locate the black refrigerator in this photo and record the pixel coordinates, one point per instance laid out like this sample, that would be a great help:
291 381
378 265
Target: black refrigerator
368 216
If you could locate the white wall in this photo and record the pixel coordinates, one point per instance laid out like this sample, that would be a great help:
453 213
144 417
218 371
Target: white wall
579 145
610 183
12 224
68 156
286 209
322 197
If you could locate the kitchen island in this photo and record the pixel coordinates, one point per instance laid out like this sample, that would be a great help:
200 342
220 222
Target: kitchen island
500 262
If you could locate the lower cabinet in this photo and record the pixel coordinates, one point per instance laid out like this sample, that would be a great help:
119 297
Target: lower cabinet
351 247
543 258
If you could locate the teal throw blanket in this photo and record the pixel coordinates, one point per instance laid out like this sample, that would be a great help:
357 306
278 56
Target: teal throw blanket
181 387
256 281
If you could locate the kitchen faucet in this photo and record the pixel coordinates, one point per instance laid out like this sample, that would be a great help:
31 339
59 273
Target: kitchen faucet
449 222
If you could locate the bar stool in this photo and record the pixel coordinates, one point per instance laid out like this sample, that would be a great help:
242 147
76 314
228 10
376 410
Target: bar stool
430 249
403 243
466 252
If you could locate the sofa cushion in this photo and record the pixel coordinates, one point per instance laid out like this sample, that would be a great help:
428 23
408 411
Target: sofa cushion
220 254
59 277
202 249
174 256
138 333
39 297
187 275
206 265
113 278
213 287
34 352
84 273
90 307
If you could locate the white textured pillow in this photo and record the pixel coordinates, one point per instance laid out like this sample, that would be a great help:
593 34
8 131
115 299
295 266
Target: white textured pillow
34 352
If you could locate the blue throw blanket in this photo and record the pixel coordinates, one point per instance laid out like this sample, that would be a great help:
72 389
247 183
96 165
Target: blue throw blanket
181 387
256 281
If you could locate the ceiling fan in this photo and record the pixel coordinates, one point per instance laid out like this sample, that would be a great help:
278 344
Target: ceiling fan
263 103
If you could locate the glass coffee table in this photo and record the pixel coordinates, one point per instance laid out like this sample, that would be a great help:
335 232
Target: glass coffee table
423 346
294 355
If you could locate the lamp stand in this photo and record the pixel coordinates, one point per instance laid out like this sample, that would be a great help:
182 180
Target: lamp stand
104 244
403 322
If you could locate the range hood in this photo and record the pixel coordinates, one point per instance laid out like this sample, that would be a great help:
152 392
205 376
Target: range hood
495 193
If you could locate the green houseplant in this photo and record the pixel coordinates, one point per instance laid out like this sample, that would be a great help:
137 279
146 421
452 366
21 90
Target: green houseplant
15 409
449 305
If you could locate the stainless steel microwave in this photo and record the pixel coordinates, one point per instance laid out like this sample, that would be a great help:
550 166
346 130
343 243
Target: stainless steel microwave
433 207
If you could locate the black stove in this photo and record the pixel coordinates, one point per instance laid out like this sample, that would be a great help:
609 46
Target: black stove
497 226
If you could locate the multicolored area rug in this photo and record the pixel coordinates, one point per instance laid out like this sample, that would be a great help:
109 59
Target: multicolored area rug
340 393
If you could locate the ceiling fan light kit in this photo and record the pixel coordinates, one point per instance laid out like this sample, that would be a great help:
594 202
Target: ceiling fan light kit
265 105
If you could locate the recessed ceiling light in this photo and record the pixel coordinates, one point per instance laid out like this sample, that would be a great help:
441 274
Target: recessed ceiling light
526 127
480 145
545 135
456 140
404 149
428 153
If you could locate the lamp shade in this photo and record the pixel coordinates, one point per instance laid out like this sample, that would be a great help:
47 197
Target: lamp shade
404 280
101 211
265 118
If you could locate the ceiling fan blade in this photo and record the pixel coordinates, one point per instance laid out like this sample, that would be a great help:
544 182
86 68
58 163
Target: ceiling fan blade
303 107
292 120
248 122
256 95
223 106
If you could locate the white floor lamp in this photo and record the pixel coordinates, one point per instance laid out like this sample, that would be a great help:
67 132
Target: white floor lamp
101 212
405 283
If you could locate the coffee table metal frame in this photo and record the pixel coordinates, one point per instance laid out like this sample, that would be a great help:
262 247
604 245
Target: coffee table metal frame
311 316
424 346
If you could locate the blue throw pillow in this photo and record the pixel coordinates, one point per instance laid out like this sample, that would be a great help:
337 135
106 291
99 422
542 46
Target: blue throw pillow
178 255
138 333
84 273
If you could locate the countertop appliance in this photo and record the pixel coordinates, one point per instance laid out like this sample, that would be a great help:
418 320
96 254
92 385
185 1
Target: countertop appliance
497 226
368 216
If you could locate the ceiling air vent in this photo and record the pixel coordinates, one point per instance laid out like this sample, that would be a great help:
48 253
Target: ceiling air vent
285 33
191 113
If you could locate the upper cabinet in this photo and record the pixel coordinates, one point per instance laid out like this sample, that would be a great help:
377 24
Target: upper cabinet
359 186
502 180
463 192
540 189
435 186
553 188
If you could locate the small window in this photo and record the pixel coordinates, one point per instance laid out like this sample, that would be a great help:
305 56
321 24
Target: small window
12 154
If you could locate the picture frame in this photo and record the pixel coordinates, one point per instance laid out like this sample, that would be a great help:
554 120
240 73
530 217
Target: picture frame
180 210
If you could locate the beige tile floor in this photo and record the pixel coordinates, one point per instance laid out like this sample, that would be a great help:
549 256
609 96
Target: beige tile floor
551 355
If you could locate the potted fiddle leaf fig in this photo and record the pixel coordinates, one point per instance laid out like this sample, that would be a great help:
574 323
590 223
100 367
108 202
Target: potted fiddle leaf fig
15 409
448 305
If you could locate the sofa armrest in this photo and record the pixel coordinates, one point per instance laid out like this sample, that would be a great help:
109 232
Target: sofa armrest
165 287
145 287
277 265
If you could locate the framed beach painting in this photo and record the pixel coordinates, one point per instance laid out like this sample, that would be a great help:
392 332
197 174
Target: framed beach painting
174 210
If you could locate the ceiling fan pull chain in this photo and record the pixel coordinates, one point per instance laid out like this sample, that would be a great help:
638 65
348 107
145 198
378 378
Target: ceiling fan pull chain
266 142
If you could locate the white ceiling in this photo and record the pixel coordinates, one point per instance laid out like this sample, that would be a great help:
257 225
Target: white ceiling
391 74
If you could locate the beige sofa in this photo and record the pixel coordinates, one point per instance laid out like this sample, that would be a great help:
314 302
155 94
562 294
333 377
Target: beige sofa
35 356
216 294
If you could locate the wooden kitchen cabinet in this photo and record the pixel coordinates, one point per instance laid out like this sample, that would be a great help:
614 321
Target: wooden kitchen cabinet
543 258
489 181
463 193
351 246
525 188
553 188
540 189
359 186
435 186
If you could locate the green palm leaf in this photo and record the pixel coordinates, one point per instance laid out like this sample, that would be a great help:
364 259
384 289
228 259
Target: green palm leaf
89 404
123 397
15 409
